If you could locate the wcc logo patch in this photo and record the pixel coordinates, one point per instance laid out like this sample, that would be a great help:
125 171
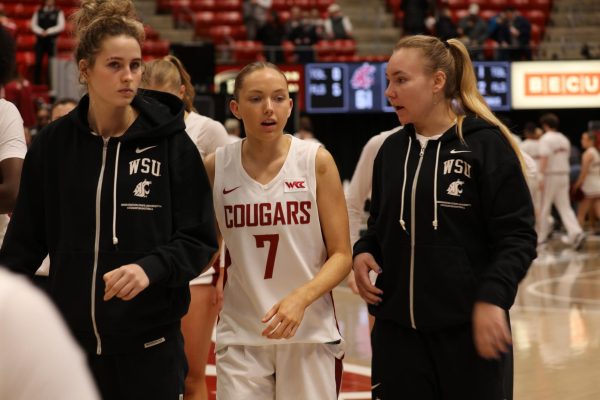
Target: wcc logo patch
294 185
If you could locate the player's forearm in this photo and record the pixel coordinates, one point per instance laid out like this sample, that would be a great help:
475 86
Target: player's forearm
334 271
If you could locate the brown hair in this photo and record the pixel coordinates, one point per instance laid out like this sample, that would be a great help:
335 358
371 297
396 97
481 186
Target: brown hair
98 19
452 58
169 71
248 69
550 120
590 135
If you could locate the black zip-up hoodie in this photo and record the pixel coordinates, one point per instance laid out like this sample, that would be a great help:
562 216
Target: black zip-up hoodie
468 225
95 205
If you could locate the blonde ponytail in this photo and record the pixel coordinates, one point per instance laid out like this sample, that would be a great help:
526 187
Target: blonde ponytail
471 100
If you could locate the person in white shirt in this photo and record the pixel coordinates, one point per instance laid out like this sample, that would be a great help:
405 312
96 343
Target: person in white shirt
533 147
337 25
39 359
589 178
554 166
359 190
12 136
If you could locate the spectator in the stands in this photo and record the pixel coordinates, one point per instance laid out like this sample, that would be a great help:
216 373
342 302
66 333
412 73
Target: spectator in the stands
473 31
499 31
520 31
444 26
415 13
7 23
304 36
317 22
294 21
255 15
47 23
337 25
271 34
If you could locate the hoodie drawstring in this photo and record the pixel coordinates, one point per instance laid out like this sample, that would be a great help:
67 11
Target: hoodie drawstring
115 239
402 222
435 175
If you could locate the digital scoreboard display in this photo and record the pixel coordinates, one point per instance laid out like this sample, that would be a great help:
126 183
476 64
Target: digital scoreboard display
344 87
493 82
360 87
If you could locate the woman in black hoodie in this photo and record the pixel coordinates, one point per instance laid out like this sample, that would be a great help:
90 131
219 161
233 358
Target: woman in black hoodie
117 194
450 234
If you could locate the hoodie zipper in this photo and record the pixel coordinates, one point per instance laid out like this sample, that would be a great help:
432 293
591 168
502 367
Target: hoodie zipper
97 246
413 196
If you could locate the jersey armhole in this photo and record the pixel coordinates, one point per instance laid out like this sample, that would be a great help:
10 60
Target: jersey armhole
312 168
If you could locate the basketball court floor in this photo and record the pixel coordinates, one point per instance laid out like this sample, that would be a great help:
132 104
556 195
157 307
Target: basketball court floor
555 322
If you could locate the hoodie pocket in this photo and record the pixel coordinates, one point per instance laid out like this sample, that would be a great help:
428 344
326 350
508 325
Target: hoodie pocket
444 286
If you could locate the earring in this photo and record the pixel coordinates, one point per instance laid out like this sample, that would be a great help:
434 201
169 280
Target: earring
82 80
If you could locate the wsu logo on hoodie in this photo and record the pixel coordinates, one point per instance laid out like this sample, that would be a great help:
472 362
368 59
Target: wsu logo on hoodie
142 188
149 167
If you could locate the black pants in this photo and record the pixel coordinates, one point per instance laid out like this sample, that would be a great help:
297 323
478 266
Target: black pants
43 45
154 373
443 365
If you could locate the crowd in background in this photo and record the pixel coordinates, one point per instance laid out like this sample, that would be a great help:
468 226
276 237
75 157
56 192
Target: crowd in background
304 28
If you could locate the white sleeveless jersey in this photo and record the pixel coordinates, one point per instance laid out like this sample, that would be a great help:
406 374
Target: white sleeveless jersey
274 238
591 184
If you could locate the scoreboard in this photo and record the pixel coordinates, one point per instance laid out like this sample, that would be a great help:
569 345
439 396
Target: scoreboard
360 87
493 82
345 87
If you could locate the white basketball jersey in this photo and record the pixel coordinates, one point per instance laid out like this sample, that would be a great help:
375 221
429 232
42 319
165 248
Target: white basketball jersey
274 238
591 184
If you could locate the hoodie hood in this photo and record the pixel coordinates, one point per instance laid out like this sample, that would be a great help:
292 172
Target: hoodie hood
470 124
160 114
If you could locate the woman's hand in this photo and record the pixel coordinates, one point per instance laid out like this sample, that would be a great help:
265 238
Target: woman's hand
125 282
490 330
363 264
352 282
285 317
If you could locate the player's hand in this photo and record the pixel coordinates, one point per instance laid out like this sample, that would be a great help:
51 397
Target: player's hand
125 282
490 330
284 318
352 282
363 264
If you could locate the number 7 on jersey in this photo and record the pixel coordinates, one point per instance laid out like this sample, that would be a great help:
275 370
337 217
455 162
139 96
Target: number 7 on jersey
273 243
